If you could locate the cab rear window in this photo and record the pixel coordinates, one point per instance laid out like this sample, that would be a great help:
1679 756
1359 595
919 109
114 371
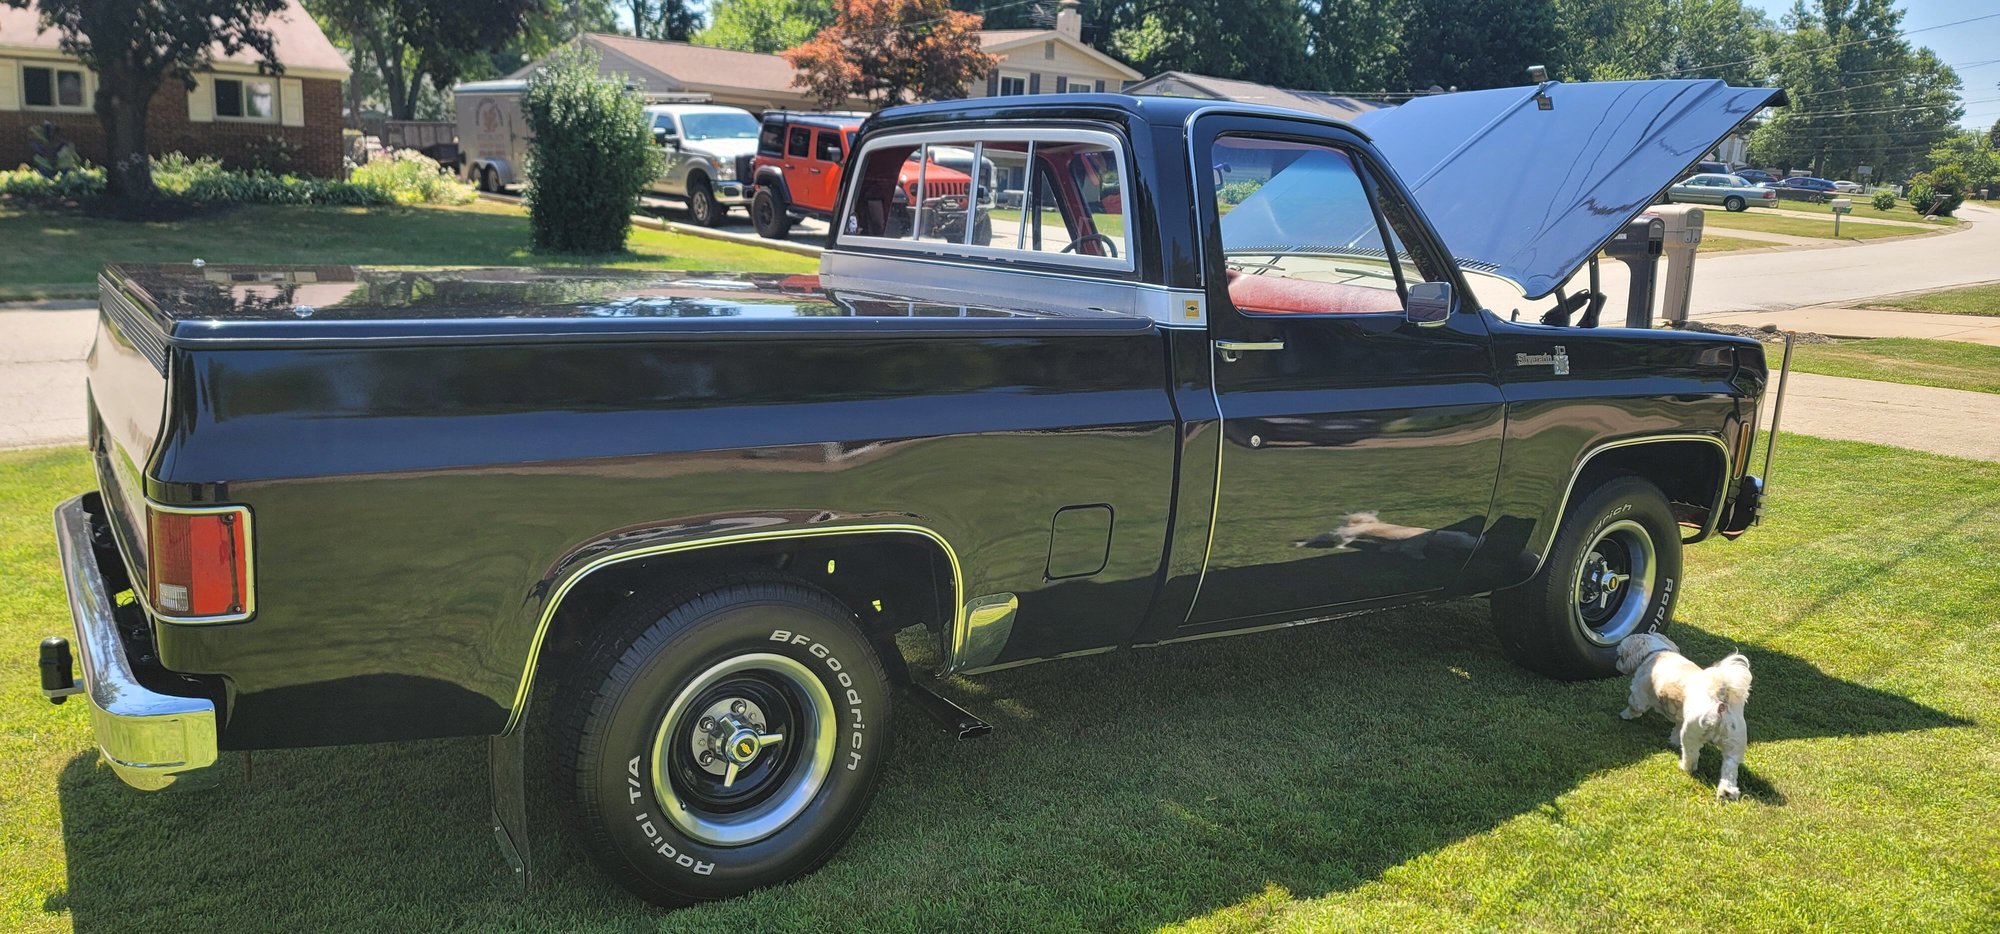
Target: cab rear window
1047 196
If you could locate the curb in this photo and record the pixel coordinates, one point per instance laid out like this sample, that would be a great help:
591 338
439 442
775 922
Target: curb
693 230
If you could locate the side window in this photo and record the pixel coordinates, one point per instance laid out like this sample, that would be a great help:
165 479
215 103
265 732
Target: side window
829 146
800 144
1300 232
771 139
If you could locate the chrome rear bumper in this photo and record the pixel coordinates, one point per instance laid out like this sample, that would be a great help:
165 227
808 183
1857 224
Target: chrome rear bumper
147 737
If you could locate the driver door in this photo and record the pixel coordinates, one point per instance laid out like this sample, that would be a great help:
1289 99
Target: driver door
1359 448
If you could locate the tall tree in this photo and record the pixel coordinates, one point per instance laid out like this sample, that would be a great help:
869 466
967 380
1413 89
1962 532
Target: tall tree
764 25
1860 93
1470 44
1356 45
664 19
1993 135
409 44
892 51
1609 40
133 46
1254 40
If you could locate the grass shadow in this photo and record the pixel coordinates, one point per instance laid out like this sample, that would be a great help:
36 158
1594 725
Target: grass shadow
1135 789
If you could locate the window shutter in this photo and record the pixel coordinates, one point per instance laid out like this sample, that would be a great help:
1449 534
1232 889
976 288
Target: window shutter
1035 82
291 102
992 84
10 85
201 100
1100 85
1062 83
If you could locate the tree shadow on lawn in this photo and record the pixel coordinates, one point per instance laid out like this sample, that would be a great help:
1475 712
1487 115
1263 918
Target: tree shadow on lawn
1126 790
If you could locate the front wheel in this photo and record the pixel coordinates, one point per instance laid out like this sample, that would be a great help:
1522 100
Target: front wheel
767 213
1614 569
702 206
1732 204
729 740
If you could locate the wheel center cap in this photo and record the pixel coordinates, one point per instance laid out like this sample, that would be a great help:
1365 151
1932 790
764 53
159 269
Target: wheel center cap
743 746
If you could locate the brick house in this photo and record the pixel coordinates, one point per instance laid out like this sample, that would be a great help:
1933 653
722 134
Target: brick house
233 112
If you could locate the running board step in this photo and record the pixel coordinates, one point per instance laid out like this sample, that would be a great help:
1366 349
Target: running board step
958 722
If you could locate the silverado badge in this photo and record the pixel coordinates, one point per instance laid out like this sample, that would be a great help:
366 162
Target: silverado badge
1559 360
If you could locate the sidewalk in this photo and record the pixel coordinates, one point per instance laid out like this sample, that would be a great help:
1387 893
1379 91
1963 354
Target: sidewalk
1922 418
1866 322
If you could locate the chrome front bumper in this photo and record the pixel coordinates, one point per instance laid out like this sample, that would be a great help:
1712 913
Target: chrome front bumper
147 737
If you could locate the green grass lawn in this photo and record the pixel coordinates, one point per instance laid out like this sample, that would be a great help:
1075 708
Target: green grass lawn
1920 362
1862 209
1722 244
1972 300
1398 774
1802 226
52 254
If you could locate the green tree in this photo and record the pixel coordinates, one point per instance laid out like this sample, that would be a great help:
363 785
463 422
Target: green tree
664 19
1471 44
1355 45
409 45
133 46
1860 93
764 25
590 157
1993 135
1254 40
1610 40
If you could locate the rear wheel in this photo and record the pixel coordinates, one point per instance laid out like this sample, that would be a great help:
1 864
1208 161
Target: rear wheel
767 212
722 739
1613 570
1733 203
702 206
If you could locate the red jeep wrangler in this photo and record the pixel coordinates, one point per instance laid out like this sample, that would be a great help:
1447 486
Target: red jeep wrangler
797 174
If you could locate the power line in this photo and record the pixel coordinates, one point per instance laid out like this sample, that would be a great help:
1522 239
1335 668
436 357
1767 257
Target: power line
1837 45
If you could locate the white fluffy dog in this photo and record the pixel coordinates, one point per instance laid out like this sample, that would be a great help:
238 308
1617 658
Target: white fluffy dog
1706 704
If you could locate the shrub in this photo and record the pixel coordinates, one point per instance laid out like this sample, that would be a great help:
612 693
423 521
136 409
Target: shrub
1883 200
410 177
1939 191
1238 192
25 182
590 156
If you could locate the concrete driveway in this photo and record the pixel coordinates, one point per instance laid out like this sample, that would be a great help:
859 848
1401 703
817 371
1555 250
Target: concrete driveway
41 374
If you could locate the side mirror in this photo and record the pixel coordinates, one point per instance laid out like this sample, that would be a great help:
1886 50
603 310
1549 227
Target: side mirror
661 138
1429 305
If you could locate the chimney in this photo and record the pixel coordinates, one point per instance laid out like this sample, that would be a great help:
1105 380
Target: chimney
1069 19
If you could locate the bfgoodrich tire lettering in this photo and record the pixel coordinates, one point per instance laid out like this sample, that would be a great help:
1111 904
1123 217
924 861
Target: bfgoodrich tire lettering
1563 622
632 729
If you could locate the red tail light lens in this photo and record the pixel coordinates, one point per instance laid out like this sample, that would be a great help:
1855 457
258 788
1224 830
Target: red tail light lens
199 563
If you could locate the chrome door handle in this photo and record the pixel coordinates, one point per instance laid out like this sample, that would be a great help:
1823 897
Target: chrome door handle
1233 350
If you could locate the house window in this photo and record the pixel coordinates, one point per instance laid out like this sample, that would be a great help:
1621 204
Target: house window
246 99
1080 85
52 87
1013 85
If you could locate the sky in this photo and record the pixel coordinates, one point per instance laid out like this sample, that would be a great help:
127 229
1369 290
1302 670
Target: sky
1964 47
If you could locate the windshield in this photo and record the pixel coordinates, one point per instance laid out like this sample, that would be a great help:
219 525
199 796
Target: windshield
718 126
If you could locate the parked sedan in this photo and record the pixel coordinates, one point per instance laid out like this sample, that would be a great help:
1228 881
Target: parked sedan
1733 193
1846 187
1755 176
1805 188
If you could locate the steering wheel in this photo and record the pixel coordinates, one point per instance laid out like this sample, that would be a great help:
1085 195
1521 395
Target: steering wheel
1107 243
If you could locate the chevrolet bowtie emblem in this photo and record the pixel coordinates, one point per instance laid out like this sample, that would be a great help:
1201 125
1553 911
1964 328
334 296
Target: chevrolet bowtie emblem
1559 360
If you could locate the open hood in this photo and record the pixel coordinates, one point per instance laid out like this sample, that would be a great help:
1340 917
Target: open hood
1532 193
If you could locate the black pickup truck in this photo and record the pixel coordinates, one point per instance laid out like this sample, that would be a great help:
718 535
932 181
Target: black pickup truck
1215 371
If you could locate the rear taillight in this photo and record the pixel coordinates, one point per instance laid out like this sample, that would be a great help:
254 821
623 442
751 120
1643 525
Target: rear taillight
199 563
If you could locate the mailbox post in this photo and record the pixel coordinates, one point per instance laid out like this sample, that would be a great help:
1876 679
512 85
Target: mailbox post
1841 206
1682 236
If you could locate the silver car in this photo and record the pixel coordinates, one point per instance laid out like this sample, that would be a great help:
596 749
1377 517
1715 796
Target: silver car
1731 192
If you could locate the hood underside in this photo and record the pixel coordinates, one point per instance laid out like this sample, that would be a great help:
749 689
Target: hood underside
1533 193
